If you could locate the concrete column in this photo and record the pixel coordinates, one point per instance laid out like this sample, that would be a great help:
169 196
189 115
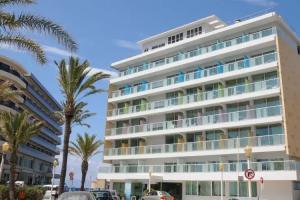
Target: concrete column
127 190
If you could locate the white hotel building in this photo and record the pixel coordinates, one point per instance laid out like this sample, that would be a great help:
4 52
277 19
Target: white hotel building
194 99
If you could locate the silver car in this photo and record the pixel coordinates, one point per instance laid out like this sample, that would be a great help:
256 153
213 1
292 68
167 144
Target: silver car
158 195
76 196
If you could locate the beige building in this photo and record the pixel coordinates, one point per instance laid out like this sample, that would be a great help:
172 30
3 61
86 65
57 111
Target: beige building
183 112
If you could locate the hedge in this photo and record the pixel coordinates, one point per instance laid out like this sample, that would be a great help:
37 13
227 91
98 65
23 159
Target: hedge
31 193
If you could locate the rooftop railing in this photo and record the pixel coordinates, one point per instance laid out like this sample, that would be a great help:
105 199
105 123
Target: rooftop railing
205 145
198 74
242 115
280 165
198 97
199 51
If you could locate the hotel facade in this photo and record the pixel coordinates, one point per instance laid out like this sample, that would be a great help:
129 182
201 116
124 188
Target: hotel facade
183 112
34 163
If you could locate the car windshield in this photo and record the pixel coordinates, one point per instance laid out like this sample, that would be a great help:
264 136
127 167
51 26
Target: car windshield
113 193
165 193
101 194
70 196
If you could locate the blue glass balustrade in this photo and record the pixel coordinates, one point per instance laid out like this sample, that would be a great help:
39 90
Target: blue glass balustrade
199 50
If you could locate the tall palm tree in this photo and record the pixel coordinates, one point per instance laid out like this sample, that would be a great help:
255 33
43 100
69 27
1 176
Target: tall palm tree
76 83
85 147
17 129
11 26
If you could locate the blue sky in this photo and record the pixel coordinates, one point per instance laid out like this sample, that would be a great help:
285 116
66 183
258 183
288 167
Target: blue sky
106 31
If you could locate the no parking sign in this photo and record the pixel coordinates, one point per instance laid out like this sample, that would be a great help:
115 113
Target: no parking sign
249 174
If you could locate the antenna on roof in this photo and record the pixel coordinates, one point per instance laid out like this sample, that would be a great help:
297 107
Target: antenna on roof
260 12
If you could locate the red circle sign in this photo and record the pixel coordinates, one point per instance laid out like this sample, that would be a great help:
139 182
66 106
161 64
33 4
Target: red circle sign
71 174
261 180
249 174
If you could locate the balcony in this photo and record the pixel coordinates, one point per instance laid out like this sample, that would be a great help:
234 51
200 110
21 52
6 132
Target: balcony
12 74
40 98
42 115
198 74
36 154
203 168
195 123
217 45
199 97
45 144
50 134
200 146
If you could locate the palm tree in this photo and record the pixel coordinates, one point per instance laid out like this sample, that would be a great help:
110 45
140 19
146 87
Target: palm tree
17 129
85 148
12 24
76 83
6 91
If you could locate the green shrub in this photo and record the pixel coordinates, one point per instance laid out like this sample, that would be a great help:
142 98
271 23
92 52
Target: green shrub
31 192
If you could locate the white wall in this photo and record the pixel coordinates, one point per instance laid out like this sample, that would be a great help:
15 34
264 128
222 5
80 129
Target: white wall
273 190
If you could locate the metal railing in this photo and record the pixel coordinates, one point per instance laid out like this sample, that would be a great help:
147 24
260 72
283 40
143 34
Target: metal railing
205 145
199 51
221 117
198 74
200 96
280 165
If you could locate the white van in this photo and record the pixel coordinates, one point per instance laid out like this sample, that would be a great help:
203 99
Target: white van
48 195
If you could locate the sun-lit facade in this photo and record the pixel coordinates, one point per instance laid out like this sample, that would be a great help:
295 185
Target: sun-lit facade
194 99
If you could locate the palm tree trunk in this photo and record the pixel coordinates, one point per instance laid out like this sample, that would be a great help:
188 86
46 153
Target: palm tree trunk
13 161
84 169
67 133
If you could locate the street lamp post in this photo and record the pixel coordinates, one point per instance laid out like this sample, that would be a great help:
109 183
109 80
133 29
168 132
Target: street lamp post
55 164
221 168
149 183
5 149
248 154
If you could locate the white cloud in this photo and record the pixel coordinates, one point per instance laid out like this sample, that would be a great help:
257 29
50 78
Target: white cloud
127 44
262 3
57 51
10 47
96 70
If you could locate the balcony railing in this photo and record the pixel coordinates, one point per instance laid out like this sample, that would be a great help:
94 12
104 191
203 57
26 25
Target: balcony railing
199 51
280 165
43 115
201 96
248 114
198 74
233 143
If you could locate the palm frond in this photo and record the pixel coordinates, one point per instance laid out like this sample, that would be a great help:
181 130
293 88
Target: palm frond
25 44
85 146
39 24
6 91
18 128
15 2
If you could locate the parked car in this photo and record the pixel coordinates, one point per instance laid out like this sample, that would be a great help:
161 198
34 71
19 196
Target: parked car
157 195
114 194
77 196
48 195
104 195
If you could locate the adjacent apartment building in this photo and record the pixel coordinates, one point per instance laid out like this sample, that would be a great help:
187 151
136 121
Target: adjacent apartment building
182 112
36 157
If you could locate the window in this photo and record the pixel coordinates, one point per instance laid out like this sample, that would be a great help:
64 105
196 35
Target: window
158 46
193 32
204 188
216 188
191 188
175 38
243 189
193 137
